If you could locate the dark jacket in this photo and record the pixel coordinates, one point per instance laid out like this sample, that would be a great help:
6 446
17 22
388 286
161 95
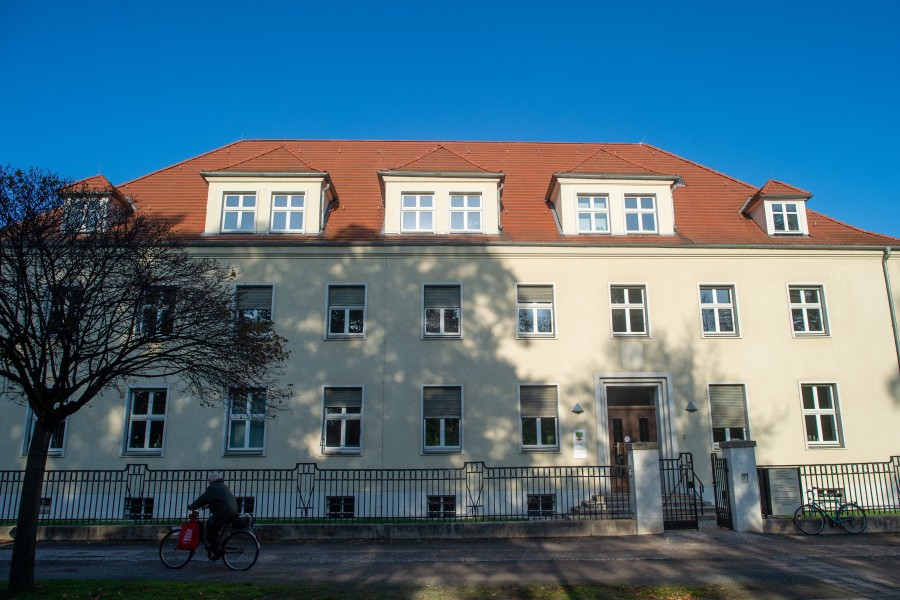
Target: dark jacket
219 499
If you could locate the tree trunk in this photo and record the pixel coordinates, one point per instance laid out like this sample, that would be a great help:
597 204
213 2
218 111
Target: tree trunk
21 569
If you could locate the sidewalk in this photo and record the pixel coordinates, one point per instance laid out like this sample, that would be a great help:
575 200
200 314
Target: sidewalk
763 566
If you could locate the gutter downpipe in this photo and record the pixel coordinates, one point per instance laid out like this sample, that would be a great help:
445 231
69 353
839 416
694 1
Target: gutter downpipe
887 283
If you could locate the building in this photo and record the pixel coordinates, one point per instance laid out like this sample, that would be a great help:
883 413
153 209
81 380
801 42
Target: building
515 304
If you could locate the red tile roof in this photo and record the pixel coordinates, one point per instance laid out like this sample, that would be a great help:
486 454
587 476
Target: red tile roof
777 188
707 207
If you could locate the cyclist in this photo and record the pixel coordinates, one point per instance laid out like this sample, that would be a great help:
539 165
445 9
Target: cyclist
222 508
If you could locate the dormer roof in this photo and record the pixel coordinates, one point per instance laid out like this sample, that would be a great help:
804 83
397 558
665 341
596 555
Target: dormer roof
278 161
774 189
440 162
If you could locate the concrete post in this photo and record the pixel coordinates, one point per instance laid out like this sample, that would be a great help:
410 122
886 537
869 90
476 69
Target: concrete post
645 486
743 485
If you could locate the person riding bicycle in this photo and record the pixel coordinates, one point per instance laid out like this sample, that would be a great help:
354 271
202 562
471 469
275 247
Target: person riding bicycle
222 508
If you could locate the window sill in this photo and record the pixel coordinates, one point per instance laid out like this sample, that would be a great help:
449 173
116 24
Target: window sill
340 452
134 452
536 336
448 450
339 338
433 336
630 335
239 453
535 449
805 334
714 336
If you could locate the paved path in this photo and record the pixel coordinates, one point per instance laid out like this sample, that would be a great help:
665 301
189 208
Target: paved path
762 566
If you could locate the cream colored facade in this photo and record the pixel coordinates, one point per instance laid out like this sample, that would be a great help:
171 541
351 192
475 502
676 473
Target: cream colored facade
393 361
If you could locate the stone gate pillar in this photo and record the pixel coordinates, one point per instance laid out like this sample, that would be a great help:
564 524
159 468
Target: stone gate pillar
743 485
645 487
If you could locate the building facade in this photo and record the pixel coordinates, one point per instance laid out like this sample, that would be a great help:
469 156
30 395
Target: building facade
515 304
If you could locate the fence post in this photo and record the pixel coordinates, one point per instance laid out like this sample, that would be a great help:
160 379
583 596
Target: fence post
743 485
474 488
645 486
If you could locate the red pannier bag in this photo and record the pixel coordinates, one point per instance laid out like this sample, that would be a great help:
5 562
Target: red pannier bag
189 536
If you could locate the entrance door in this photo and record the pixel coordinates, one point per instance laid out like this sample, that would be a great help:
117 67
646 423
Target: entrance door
632 418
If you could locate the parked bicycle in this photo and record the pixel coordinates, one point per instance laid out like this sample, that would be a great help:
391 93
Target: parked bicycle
240 546
811 517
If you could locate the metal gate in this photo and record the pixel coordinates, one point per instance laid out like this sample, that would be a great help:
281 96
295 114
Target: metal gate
680 494
720 490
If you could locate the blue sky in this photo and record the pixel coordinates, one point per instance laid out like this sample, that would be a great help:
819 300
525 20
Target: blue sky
803 92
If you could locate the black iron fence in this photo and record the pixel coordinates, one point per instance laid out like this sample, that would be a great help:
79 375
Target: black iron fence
874 485
306 493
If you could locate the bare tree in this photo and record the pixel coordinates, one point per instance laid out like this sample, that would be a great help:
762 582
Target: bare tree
94 294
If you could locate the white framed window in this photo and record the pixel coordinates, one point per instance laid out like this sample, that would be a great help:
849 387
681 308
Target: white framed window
254 303
442 310
85 215
146 422
538 417
718 314
346 311
593 214
807 304
821 415
785 217
640 214
727 413
628 308
157 313
417 212
534 305
442 418
247 421
441 507
239 213
288 211
541 505
465 213
342 420
57 438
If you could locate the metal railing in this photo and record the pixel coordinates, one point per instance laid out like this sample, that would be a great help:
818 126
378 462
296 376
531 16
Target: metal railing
308 494
873 485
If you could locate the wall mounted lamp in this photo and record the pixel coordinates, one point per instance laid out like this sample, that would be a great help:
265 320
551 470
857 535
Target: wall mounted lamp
691 407
578 410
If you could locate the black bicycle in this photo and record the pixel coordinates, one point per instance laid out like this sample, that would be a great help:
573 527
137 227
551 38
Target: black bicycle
240 546
810 518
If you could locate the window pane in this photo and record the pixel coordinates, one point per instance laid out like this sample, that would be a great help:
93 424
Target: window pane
457 220
257 432
797 318
829 428
236 434
814 318
548 431
723 295
474 220
141 403
258 402
601 223
824 394
545 320
647 203
637 320
811 296
156 434
333 433
409 220
631 203
451 320
353 429
136 437
279 220
719 435
619 324
409 201
526 320
337 321
529 431
726 320
795 296
426 201
778 221
631 222
709 319
736 433
451 432
456 202
230 220
297 201
159 403
296 220
648 221
812 428
617 295
247 223
636 295
356 321
809 402
425 220
793 223
432 320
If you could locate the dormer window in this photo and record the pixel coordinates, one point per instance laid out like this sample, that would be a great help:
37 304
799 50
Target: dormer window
287 213
785 217
465 213
640 214
239 213
593 214
417 213
85 215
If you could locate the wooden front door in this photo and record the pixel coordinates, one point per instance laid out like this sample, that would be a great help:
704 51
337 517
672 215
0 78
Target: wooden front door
637 424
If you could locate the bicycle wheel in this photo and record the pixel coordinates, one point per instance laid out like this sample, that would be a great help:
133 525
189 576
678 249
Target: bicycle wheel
241 549
809 519
169 553
852 518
